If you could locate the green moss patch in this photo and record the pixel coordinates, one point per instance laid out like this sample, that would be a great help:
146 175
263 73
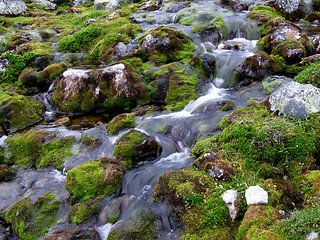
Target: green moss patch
94 179
80 212
39 149
310 74
120 122
6 173
30 221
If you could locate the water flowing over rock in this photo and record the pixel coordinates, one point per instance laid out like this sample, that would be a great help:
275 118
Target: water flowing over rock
12 7
296 100
91 90
256 195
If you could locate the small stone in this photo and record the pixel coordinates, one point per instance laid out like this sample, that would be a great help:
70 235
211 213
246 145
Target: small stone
230 197
256 195
62 121
91 20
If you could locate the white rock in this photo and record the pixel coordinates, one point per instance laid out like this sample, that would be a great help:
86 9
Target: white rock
230 197
312 236
12 7
256 195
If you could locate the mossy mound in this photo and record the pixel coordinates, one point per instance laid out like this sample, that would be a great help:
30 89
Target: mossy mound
18 111
175 84
135 146
310 74
6 173
90 142
94 179
196 199
140 226
39 149
125 120
309 186
49 74
80 212
292 51
257 223
30 221
164 45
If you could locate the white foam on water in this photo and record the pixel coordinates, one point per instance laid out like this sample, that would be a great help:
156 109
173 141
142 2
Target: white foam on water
104 231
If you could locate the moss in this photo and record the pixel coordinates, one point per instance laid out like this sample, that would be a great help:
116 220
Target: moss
251 102
90 142
219 23
30 221
228 106
37 48
309 186
18 111
94 179
51 72
257 221
39 149
80 212
6 173
310 74
120 122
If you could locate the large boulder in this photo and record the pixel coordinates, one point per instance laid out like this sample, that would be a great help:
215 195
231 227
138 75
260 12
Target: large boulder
296 100
106 4
291 9
48 4
114 87
12 7
135 146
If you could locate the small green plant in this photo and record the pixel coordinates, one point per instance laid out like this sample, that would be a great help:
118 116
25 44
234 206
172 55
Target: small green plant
310 74
193 199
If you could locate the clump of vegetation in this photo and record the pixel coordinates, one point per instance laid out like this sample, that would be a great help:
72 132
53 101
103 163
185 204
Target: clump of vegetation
30 221
39 149
80 212
310 75
94 179
125 120
6 173
90 142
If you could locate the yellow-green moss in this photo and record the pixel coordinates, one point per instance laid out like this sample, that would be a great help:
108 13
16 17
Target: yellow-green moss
80 212
120 122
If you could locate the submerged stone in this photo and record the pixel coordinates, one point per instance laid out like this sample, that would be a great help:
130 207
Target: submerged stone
296 100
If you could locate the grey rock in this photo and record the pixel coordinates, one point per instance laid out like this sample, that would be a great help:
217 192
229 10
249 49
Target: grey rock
272 83
78 2
106 4
48 4
12 7
289 5
296 100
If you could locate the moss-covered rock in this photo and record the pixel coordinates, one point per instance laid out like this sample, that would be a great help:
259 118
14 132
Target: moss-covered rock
135 146
46 77
28 77
30 221
68 234
292 51
124 120
174 84
6 173
39 149
164 45
257 222
94 179
90 142
140 226
114 87
80 212
309 185
18 111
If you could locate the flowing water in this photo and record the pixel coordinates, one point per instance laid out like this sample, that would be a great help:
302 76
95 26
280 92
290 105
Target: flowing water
176 132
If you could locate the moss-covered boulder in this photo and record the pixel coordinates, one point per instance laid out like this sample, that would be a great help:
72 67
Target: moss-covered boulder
134 146
257 222
68 234
18 111
164 45
90 142
114 87
124 120
292 51
6 173
39 149
28 77
94 179
174 84
80 212
140 226
30 221
46 77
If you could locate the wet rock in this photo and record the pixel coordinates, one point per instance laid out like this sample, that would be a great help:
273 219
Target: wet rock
316 45
94 179
28 77
291 51
81 212
40 62
46 77
234 5
175 7
296 100
67 234
90 142
12 7
219 171
256 223
62 121
257 67
290 9
48 4
17 111
210 34
120 49
272 83
124 120
256 195
134 146
140 226
116 86
78 2
152 5
231 199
